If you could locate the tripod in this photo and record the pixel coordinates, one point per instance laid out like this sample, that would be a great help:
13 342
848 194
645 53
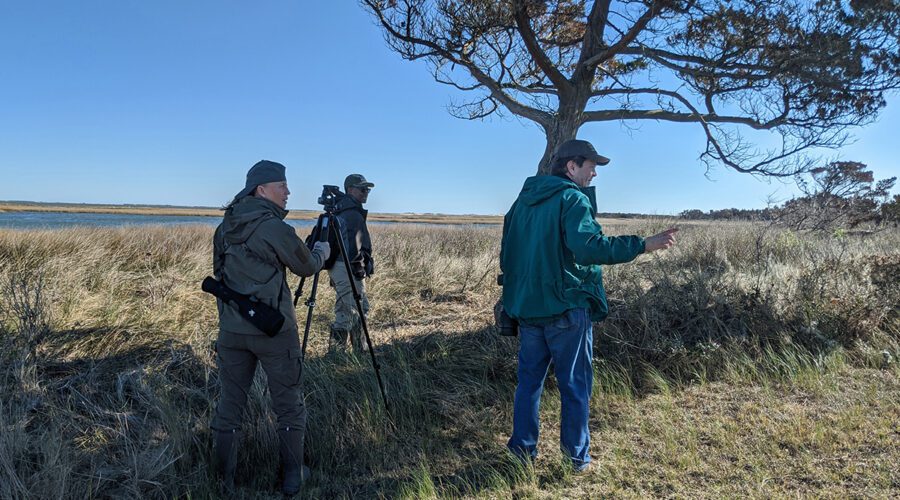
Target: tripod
328 221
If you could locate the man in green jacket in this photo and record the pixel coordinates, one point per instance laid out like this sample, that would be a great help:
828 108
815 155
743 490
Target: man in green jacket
253 247
550 256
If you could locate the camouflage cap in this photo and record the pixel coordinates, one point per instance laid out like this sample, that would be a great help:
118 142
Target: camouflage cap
357 181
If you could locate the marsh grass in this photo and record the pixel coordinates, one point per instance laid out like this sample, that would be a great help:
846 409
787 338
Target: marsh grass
747 361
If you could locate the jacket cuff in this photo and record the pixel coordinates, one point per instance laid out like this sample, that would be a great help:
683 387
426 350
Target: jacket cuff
319 258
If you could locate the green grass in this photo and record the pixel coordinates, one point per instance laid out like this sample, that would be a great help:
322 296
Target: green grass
744 362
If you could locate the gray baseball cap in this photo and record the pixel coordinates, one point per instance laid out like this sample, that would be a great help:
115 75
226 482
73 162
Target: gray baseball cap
577 147
263 172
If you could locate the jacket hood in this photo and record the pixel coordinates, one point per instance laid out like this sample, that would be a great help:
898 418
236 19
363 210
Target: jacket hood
245 215
347 202
540 188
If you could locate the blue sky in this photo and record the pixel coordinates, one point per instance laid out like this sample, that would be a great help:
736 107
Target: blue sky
170 102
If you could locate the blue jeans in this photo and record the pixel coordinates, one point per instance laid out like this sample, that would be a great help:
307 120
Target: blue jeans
568 342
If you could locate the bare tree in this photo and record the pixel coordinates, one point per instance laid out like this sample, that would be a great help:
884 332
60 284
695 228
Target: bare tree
805 69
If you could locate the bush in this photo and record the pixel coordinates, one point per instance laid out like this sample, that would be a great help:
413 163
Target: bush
119 379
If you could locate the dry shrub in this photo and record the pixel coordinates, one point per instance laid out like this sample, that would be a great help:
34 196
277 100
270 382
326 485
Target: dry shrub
122 380
748 290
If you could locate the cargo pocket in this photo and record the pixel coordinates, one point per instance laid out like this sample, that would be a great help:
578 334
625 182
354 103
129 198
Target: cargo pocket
296 363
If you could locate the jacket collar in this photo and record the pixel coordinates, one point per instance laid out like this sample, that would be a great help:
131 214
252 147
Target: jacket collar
590 192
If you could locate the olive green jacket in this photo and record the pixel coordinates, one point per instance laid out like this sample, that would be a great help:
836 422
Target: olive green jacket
251 249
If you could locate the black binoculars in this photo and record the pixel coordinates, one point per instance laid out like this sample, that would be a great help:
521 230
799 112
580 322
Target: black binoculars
259 314
506 325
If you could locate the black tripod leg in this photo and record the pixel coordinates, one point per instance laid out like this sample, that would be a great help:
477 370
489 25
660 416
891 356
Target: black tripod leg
321 232
336 226
310 304
316 236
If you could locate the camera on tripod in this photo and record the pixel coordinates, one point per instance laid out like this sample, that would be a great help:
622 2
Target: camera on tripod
329 197
328 228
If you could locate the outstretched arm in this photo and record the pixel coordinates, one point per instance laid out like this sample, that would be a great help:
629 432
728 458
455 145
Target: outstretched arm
295 255
585 239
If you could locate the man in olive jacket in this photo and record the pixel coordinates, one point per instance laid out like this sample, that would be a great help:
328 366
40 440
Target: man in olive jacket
358 244
253 247
550 256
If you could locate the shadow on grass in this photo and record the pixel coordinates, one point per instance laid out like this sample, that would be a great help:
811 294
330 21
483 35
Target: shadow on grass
137 418
116 425
451 395
700 330
450 401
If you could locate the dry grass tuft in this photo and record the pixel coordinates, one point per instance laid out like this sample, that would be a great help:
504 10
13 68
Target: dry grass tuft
747 361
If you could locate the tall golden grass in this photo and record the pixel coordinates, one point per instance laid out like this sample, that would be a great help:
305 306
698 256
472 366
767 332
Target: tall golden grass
739 344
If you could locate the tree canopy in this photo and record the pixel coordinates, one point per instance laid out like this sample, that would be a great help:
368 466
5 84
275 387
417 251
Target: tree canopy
842 194
805 70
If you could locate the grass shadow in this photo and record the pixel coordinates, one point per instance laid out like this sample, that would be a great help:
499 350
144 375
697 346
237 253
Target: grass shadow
148 401
124 424
452 393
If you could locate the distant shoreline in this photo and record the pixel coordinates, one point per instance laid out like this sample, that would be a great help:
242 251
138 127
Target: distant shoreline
150 210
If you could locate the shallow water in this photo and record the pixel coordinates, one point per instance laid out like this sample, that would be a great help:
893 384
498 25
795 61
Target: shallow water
58 220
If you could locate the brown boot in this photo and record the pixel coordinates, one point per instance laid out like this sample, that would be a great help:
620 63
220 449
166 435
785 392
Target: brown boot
225 449
295 473
356 339
338 340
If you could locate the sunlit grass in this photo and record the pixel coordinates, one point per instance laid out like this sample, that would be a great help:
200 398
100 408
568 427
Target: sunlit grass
747 361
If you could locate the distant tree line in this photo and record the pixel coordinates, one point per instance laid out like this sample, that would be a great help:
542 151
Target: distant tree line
840 195
765 214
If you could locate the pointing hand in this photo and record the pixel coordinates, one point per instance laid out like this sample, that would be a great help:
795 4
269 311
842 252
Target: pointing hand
661 241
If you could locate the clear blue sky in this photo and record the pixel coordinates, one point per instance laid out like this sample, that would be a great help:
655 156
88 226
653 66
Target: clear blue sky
169 102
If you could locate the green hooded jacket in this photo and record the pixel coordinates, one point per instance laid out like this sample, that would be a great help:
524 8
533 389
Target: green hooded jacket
251 249
552 249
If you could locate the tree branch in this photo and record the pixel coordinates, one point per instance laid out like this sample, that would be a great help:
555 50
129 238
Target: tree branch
627 38
523 22
593 35
516 107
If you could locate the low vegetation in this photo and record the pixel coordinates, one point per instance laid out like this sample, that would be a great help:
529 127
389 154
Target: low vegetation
747 361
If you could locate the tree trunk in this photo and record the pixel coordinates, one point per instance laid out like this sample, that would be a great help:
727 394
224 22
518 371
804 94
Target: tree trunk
564 127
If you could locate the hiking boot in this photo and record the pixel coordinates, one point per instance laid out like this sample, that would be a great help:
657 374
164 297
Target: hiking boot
356 339
294 472
339 335
225 457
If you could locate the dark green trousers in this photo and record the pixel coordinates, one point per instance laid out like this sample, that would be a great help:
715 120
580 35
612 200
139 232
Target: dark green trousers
237 357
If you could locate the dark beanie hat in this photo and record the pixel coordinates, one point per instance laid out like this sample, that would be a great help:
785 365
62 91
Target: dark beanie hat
263 172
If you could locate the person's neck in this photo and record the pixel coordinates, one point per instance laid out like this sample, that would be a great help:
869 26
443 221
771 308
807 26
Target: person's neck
565 176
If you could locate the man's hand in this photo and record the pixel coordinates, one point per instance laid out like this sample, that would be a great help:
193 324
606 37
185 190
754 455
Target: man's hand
323 249
661 241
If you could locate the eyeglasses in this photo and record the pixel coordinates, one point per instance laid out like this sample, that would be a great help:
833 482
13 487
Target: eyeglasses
364 189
